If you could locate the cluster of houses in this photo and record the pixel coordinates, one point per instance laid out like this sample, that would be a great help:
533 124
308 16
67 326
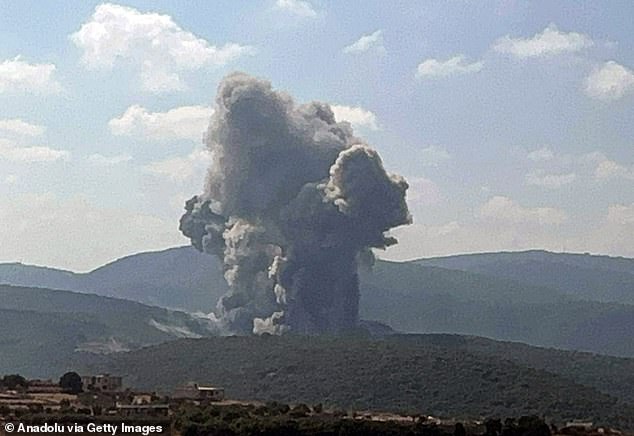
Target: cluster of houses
105 395
101 394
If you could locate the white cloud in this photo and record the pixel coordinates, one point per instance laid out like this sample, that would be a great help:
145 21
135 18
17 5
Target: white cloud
90 235
594 165
101 160
185 122
610 81
542 154
593 157
604 168
434 68
422 192
11 179
296 7
539 178
17 75
551 41
179 168
152 42
609 169
614 235
355 115
433 155
21 128
374 41
500 208
620 214
12 153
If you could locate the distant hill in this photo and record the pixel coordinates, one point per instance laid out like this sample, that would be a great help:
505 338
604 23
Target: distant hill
178 278
438 374
416 298
181 278
596 278
18 274
42 328
567 301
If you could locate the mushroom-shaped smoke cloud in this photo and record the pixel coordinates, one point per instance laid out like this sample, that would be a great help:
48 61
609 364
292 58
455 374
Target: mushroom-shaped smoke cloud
293 201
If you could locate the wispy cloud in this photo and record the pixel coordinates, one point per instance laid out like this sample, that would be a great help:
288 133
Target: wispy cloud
541 154
17 75
621 214
422 192
505 209
549 42
13 153
371 42
355 115
433 155
101 160
185 122
434 68
552 181
300 8
19 127
181 168
608 169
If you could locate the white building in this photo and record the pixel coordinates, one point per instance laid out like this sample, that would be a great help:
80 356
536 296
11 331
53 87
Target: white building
193 391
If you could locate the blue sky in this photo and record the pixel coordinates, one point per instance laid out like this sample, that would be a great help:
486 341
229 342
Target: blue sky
512 120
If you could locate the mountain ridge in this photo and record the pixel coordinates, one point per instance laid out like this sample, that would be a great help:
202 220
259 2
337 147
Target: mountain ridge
486 295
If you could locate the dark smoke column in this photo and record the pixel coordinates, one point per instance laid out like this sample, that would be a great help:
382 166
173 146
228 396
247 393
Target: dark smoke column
292 202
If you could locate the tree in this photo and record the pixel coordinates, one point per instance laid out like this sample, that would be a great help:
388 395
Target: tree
459 430
13 381
493 427
71 383
533 426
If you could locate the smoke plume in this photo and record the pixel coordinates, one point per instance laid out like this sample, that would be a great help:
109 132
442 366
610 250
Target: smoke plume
293 201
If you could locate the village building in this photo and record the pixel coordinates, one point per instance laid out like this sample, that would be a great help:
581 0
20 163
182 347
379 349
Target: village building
102 383
195 392
142 398
586 425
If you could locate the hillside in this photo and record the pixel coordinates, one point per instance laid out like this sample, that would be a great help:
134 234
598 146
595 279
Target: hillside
416 298
608 374
39 344
435 374
495 295
179 278
18 274
596 278
41 328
